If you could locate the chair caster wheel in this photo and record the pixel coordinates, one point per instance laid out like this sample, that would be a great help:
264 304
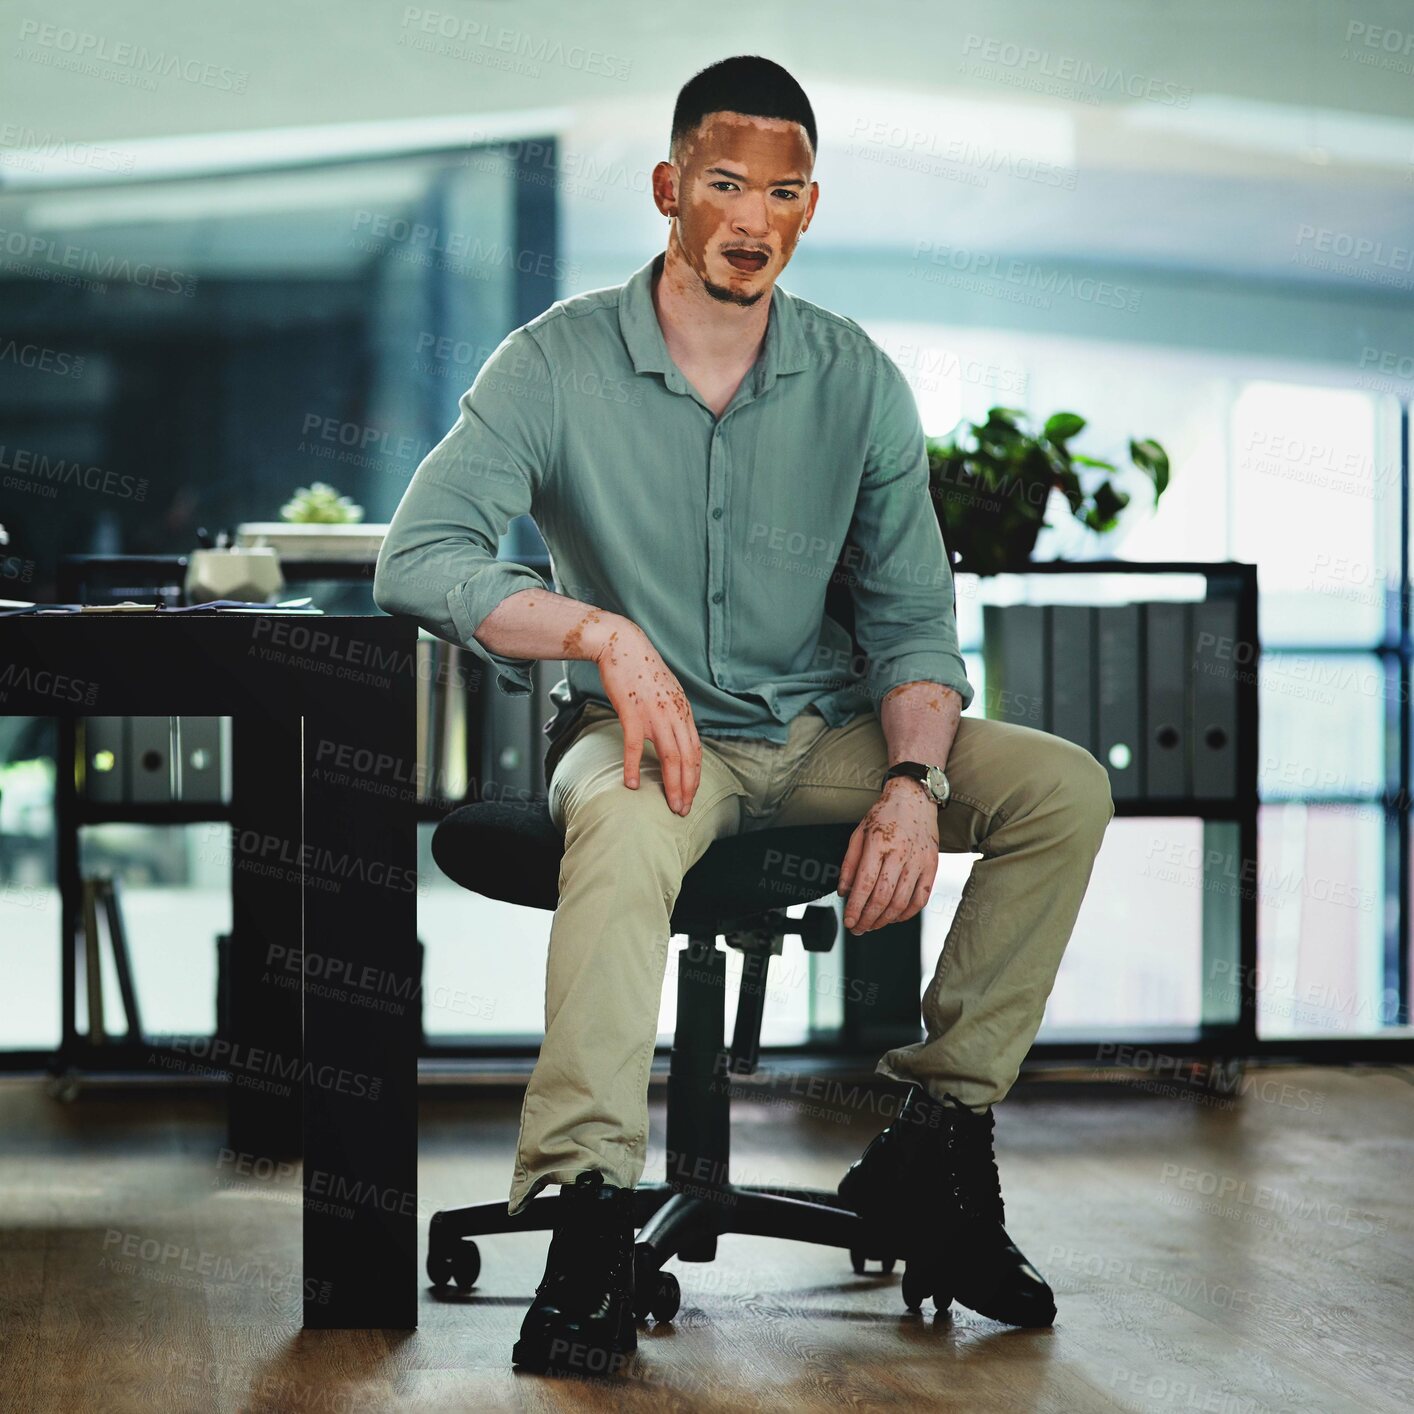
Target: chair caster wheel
858 1259
656 1293
65 1088
461 1264
916 1288
667 1298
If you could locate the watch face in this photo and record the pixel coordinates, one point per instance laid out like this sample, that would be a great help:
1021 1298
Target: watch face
938 784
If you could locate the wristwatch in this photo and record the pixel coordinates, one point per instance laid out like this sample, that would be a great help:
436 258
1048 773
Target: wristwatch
931 778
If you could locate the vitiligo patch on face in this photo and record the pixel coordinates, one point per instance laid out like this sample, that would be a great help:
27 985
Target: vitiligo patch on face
743 182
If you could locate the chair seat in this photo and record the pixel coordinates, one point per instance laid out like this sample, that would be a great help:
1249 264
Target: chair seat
511 850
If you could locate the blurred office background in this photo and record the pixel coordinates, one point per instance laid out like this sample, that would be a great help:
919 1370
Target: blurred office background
272 263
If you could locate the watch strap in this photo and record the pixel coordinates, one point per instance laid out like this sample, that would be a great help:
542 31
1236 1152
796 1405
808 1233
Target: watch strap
914 770
917 771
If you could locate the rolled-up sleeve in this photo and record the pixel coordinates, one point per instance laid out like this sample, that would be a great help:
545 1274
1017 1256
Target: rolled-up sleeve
903 596
438 563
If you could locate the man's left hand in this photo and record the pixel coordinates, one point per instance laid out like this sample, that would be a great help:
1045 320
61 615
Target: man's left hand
892 858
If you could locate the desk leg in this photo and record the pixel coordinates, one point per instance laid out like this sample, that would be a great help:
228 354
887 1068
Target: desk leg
262 1025
361 1013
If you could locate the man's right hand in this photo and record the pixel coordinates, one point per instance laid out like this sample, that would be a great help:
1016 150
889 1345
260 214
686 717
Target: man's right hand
652 706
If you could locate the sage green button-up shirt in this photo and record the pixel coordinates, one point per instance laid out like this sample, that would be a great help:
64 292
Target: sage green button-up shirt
716 535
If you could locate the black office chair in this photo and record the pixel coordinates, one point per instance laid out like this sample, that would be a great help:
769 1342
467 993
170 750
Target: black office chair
740 889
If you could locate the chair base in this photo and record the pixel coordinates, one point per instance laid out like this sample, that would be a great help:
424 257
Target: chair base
674 1222
680 1218
670 1223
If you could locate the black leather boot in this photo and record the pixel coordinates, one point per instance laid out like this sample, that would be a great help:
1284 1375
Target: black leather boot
581 1321
928 1188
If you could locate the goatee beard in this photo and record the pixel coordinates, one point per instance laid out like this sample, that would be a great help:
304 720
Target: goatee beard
725 295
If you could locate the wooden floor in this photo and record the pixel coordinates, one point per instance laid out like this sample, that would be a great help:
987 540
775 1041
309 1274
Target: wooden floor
1258 1258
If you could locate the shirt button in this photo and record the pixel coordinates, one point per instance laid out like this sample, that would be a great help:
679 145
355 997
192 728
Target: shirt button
717 514
718 597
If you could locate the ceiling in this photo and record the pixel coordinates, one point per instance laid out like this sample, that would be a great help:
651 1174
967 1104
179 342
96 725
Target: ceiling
1251 140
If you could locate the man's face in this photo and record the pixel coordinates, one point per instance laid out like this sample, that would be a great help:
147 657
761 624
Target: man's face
742 196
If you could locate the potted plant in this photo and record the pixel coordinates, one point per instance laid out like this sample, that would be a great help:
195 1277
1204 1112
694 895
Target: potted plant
317 523
992 482
320 504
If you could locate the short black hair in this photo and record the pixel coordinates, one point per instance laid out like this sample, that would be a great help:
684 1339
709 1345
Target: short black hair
745 83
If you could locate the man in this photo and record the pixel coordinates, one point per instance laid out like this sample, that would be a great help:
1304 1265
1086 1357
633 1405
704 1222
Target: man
696 446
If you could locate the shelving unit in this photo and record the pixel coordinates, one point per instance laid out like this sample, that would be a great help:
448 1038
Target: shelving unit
887 974
1228 1027
77 1056
1228 1024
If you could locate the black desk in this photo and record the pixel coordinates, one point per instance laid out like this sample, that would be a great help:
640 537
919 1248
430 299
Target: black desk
323 868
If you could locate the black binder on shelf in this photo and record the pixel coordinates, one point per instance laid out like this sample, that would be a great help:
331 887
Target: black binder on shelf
1119 745
1071 684
150 759
1014 641
105 753
1217 665
1168 717
200 755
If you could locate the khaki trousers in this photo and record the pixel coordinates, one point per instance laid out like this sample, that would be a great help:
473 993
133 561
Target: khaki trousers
1034 805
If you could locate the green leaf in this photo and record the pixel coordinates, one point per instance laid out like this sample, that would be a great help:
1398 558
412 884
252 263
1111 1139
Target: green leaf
1150 457
1070 484
1062 426
999 430
1109 502
320 504
1093 461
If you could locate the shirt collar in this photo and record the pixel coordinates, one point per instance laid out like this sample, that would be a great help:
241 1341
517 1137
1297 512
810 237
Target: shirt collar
785 349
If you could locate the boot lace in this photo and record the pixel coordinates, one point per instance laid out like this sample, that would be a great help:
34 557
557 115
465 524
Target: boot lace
588 1245
976 1184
